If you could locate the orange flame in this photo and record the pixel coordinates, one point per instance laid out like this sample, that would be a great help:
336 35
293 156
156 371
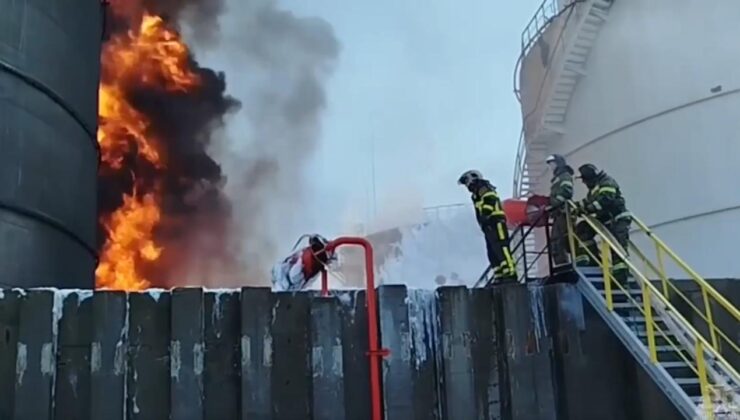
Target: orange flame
155 57
129 244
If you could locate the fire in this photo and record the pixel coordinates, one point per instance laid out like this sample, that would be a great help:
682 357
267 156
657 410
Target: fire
150 57
129 244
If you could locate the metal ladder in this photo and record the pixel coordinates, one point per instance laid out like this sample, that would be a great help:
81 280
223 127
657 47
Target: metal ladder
573 49
687 366
673 376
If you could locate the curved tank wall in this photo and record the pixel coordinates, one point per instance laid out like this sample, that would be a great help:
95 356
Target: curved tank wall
659 109
49 73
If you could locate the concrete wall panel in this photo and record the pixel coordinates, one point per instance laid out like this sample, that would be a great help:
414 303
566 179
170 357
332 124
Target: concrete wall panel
72 392
9 318
527 350
487 357
222 379
395 335
327 360
457 343
108 356
354 353
422 310
35 360
186 354
291 369
148 373
256 353
506 353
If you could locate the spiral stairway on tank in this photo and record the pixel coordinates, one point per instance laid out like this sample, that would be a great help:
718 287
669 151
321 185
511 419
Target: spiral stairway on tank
583 22
581 32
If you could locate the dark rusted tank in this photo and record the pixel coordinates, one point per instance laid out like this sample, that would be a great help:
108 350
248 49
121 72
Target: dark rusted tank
49 75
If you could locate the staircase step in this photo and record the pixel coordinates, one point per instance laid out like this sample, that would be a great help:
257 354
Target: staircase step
669 349
674 365
689 385
587 36
598 14
620 292
603 4
660 340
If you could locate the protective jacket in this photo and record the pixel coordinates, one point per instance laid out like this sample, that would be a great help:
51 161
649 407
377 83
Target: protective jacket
605 200
488 209
561 186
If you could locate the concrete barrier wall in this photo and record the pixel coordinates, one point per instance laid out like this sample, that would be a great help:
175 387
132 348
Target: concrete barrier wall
511 353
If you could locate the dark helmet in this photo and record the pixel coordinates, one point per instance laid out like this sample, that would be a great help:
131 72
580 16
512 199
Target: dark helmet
558 160
588 171
468 177
317 241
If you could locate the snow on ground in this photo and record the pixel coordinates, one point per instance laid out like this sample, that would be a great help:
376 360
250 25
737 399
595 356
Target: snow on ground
449 248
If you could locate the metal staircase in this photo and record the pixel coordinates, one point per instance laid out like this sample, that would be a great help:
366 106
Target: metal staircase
689 367
583 20
672 374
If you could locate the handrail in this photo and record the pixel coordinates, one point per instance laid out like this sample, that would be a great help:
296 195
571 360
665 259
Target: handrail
706 287
519 165
532 32
667 284
702 346
548 11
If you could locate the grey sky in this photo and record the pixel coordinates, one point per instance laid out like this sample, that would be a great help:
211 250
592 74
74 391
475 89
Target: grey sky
427 85
431 84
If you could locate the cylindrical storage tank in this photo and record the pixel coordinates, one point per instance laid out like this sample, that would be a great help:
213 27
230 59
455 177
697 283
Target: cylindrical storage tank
658 108
49 74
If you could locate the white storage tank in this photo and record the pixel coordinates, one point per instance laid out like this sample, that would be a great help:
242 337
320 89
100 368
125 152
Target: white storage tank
648 90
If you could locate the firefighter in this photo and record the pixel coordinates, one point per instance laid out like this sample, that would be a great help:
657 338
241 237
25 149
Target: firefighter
561 191
492 221
605 202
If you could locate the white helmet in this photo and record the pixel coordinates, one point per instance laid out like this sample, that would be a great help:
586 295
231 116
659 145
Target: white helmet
468 177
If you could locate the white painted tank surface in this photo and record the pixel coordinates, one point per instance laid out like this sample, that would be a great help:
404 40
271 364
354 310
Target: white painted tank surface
648 90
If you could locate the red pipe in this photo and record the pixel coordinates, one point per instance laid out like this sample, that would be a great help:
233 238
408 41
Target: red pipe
324 283
375 353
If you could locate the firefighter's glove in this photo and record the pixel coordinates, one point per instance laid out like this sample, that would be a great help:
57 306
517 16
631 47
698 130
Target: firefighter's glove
578 209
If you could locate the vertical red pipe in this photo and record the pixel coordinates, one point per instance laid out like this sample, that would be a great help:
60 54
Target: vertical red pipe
324 283
375 352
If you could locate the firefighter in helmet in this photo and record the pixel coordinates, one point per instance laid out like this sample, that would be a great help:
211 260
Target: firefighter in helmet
561 190
605 202
492 221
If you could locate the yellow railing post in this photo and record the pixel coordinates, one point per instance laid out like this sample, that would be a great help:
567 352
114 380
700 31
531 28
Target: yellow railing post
649 326
703 382
661 268
708 313
606 267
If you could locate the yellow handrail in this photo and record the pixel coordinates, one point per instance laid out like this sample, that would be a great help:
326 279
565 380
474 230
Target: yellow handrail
706 287
686 299
642 311
687 325
609 246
